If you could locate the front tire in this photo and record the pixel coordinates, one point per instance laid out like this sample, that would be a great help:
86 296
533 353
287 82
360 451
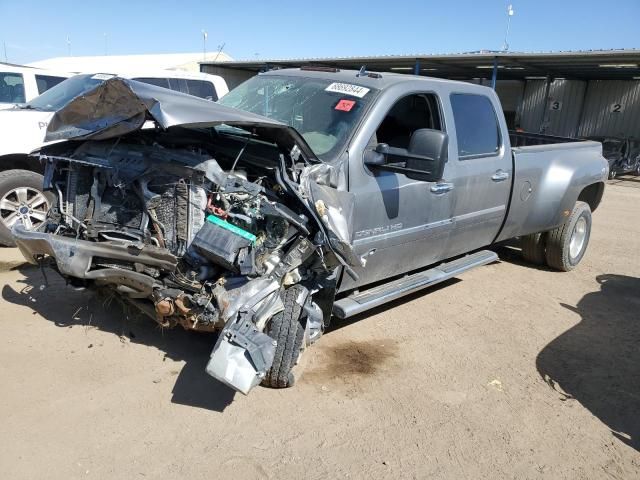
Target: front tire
567 244
21 198
287 329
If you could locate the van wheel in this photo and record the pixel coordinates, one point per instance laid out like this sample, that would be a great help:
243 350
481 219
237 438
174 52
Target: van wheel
21 198
567 244
533 248
287 329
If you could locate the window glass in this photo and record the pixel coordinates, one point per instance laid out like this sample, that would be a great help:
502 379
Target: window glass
202 89
45 82
477 128
325 113
58 96
11 88
407 115
158 82
178 84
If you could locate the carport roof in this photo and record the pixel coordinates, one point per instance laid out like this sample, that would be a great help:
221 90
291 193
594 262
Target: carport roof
587 64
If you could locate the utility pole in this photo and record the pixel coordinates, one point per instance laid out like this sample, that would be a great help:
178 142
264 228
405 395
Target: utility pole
68 46
204 45
4 44
220 47
510 13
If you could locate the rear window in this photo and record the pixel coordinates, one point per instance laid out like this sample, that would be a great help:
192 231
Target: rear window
476 125
45 82
158 82
202 89
11 88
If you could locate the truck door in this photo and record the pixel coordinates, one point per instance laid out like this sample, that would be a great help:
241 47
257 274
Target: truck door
482 178
399 224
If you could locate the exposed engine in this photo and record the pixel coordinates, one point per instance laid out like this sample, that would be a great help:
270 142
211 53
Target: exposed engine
223 231
188 243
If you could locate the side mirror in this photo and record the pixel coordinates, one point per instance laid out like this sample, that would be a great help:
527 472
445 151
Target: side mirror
428 151
424 160
377 156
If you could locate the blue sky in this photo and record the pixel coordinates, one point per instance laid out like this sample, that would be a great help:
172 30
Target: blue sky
34 30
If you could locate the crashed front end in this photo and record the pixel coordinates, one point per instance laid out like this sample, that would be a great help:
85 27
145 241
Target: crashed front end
197 226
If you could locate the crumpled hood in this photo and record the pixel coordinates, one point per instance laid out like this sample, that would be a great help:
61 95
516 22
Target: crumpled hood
119 106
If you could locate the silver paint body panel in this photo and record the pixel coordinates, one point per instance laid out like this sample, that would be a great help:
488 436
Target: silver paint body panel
401 225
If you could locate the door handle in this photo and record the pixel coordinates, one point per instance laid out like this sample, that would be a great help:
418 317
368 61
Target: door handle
440 188
500 176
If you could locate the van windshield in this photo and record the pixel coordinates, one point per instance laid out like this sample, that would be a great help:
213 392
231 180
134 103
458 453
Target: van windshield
57 97
325 113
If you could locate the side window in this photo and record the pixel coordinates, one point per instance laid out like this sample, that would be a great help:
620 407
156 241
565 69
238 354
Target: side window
407 115
158 82
202 89
11 88
477 127
178 84
45 82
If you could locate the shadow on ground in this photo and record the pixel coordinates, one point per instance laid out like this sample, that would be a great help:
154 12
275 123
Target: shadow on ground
597 362
66 307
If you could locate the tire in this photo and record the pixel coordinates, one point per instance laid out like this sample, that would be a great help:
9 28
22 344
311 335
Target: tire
560 253
533 248
612 174
20 188
287 329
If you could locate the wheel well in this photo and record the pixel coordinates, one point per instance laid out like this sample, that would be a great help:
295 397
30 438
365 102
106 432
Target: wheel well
592 195
21 161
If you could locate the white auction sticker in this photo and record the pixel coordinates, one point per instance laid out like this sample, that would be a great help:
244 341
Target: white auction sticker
348 89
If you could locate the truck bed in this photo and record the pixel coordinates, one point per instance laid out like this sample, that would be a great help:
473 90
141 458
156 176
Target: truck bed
526 139
548 175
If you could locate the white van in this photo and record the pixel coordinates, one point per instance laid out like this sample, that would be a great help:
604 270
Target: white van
203 85
20 84
23 127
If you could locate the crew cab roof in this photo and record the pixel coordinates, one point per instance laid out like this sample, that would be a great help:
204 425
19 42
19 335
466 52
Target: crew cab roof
381 81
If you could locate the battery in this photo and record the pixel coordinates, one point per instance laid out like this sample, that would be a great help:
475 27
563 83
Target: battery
220 242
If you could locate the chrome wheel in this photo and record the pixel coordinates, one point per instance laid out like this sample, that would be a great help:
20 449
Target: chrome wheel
578 237
26 204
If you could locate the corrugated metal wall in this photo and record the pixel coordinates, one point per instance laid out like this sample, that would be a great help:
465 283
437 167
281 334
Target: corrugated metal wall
612 107
564 107
579 108
531 113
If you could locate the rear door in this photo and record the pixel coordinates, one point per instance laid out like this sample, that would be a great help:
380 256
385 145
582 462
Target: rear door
483 171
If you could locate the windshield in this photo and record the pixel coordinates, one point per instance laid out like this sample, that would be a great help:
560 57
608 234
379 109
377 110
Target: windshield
57 97
325 113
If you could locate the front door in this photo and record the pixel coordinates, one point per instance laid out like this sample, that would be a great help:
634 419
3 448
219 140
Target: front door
399 224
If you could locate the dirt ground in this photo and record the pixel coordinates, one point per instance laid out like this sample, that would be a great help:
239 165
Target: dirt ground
508 372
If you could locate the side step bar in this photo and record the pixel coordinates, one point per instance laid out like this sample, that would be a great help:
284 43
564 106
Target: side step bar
376 296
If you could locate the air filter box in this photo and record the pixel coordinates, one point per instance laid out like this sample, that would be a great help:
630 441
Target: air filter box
221 242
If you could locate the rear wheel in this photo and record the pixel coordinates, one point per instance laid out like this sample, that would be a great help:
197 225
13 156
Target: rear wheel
612 174
533 248
21 199
287 328
567 244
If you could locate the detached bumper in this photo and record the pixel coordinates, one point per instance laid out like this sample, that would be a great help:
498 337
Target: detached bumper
75 257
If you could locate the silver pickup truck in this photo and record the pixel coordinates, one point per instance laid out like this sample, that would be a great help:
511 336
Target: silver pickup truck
302 195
